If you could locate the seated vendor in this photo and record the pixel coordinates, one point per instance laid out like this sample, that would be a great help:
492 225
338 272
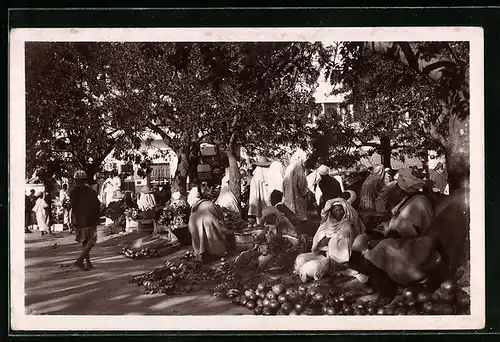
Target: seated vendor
208 233
398 251
279 225
339 227
276 199
335 236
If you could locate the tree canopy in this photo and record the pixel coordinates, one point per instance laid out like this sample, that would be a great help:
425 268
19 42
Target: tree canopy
400 107
446 64
92 98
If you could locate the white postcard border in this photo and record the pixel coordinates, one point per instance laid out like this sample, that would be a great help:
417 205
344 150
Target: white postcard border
21 321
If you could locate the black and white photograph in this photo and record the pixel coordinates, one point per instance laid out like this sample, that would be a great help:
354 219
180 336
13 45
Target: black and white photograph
322 174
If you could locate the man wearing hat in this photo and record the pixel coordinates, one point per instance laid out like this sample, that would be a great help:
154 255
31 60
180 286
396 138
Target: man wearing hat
85 218
259 188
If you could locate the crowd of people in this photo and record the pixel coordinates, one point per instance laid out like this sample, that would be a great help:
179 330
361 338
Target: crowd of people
409 247
416 243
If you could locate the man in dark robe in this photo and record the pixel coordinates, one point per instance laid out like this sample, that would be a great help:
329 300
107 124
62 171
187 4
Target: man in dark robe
329 186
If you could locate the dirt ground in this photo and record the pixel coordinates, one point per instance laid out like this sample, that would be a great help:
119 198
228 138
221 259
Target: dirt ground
54 286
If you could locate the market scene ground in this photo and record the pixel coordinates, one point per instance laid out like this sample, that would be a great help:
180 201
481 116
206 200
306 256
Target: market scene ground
247 178
53 286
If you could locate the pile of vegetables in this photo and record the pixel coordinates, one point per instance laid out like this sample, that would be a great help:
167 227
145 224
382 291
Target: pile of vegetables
280 300
180 277
175 216
142 253
131 213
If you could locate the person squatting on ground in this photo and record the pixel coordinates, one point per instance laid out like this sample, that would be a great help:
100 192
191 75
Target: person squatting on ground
208 232
332 243
403 252
85 212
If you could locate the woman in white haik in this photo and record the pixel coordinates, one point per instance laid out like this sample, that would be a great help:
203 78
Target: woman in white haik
259 188
41 210
226 198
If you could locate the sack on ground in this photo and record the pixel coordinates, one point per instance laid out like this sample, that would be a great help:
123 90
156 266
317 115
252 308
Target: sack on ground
315 269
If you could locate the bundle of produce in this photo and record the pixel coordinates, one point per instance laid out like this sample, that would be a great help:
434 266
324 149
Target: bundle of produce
180 277
131 213
232 220
175 216
141 253
57 212
279 300
151 246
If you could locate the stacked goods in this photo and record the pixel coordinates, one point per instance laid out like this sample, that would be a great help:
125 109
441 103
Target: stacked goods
279 300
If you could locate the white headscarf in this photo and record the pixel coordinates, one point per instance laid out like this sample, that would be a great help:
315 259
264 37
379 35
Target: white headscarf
341 233
299 155
194 196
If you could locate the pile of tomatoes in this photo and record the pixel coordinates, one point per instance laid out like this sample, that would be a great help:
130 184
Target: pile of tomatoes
280 300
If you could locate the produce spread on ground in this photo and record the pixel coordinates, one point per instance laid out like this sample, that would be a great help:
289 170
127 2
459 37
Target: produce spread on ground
262 280
264 294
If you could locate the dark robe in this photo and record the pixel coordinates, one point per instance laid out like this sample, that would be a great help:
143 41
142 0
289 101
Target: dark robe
330 189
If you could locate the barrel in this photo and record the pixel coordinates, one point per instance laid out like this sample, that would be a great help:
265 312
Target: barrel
243 240
145 226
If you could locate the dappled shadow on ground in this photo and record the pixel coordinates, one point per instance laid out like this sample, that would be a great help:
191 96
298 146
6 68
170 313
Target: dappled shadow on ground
54 286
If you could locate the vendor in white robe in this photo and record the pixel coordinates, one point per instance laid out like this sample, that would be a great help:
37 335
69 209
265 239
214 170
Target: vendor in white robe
146 200
276 176
194 196
259 188
312 183
41 210
226 198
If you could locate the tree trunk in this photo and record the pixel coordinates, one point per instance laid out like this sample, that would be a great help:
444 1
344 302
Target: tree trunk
457 153
185 165
179 182
385 151
234 174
